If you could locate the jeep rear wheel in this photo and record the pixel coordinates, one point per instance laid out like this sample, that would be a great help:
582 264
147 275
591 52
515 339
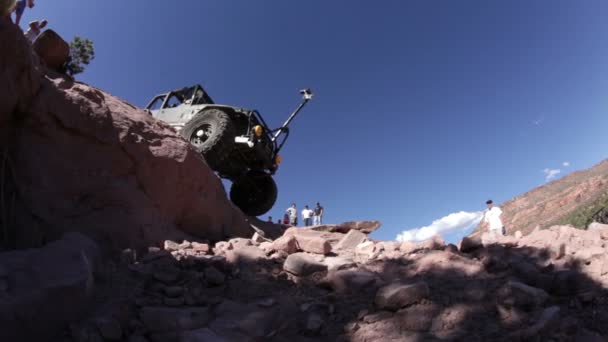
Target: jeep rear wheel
212 134
254 194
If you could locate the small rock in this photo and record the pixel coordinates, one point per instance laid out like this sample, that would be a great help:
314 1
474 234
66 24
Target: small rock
174 291
351 240
244 254
266 246
470 243
365 249
408 247
170 246
214 277
397 295
451 248
316 245
185 245
287 244
348 281
377 316
302 264
201 247
518 234
266 303
518 294
109 328
338 263
257 238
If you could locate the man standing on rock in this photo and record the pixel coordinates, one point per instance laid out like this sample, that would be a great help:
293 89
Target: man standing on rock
307 216
492 218
318 215
292 212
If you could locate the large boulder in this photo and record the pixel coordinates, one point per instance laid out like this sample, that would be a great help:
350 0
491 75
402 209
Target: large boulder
85 160
45 288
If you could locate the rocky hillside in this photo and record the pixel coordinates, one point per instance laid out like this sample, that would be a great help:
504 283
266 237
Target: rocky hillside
577 199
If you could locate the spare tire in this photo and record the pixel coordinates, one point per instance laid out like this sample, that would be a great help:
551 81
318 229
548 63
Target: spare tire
255 195
212 133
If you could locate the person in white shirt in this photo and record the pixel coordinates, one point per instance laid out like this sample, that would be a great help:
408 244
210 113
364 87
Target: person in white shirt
292 213
307 216
35 28
492 218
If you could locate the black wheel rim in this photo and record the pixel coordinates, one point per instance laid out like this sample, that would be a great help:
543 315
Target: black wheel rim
201 134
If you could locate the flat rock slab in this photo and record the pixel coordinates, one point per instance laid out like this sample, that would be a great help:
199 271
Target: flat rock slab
397 295
302 265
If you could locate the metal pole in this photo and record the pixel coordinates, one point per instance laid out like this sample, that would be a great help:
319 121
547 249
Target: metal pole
292 116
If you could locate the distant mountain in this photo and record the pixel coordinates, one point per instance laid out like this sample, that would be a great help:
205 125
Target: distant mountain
576 199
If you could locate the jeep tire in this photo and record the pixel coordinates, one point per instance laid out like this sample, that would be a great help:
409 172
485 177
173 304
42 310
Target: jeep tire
212 133
254 194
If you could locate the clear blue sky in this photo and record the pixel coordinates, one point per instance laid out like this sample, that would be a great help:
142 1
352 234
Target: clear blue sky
422 108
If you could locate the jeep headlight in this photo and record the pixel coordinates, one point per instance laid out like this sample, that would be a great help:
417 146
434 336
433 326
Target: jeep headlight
258 131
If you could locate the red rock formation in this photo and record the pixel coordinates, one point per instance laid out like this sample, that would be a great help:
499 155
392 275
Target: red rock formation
83 160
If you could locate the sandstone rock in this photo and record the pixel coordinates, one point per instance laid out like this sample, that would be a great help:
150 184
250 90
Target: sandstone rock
518 294
451 248
351 281
222 247
408 247
257 238
240 242
245 255
46 288
470 243
338 263
351 240
597 226
201 247
434 243
315 245
518 234
417 317
365 227
302 264
366 249
362 226
161 319
397 295
111 170
287 244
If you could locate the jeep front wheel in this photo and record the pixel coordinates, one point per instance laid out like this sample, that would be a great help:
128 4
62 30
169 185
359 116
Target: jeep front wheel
212 134
254 194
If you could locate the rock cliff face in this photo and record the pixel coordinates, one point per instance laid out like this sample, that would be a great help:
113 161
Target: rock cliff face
578 199
75 158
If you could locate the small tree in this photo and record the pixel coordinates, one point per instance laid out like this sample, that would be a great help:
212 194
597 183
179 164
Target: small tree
81 54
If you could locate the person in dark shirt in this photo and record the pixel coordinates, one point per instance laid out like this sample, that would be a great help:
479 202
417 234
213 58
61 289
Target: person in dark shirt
318 215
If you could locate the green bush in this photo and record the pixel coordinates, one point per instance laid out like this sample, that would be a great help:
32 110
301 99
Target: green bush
81 54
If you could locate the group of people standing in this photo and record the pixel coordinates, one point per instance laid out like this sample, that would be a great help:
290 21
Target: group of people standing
309 216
